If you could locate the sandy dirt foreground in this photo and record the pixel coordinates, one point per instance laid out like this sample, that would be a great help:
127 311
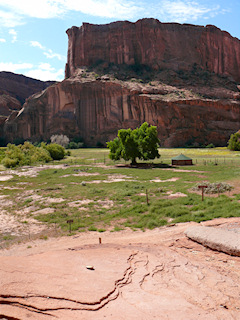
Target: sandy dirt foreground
158 274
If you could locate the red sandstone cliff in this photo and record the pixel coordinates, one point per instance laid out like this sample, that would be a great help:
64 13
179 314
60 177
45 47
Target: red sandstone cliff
95 110
155 44
194 97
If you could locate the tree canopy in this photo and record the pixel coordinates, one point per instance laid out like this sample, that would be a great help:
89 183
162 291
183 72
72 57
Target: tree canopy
234 142
141 143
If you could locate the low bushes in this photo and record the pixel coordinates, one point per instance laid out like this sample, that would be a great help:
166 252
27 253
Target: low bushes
214 188
56 151
75 145
28 154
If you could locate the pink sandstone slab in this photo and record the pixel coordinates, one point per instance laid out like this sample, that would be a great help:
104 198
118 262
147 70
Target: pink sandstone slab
157 274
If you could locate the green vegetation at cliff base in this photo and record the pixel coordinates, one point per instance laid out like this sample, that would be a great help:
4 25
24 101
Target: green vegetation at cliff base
28 154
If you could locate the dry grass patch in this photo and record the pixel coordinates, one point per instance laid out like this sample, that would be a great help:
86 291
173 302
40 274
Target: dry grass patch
43 211
5 177
167 180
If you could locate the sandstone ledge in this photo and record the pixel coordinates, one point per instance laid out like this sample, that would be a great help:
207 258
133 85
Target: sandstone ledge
216 239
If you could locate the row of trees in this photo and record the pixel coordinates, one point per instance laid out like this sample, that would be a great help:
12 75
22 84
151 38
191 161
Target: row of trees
141 143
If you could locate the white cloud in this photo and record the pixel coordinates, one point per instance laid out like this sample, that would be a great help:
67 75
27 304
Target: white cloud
45 72
14 67
185 10
13 12
46 9
105 8
2 40
9 19
13 33
52 55
46 66
47 52
35 9
37 44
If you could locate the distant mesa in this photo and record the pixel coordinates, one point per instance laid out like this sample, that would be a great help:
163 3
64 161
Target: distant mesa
154 44
14 90
21 87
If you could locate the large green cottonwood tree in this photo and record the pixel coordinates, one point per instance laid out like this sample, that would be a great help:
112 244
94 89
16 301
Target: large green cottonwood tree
141 143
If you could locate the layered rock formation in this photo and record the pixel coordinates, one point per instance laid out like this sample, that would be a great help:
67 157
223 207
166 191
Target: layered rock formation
96 109
196 107
154 44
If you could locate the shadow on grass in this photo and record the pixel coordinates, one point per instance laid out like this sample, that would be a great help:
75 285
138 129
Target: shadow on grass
146 166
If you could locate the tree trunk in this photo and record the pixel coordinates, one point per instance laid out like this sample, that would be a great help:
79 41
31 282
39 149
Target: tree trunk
134 162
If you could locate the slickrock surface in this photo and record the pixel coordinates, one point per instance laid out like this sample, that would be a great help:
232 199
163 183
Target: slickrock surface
158 274
222 240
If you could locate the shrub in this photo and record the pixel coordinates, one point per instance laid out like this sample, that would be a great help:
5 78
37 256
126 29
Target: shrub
56 151
74 145
214 188
60 139
234 142
14 156
10 163
41 155
211 145
25 154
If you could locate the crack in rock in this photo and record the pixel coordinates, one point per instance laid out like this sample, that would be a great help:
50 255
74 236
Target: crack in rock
4 317
16 301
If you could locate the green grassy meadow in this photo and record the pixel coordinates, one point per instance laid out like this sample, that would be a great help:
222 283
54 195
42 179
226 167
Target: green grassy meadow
98 194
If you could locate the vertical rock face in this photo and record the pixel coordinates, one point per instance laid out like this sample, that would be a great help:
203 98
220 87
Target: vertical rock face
155 44
95 110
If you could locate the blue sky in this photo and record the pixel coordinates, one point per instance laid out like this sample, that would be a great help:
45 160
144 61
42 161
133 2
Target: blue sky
33 41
